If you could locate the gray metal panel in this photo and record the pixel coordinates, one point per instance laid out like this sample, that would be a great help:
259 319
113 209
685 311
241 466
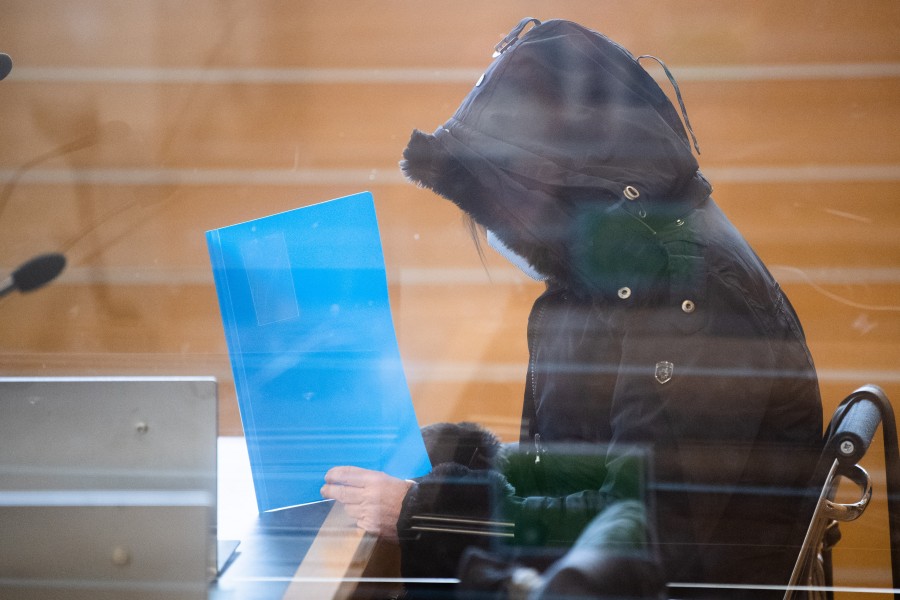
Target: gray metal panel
104 435
104 545
108 433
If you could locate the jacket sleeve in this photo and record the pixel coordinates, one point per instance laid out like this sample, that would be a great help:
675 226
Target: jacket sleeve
544 503
446 512
559 489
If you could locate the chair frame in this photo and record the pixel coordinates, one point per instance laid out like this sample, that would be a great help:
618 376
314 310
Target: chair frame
847 439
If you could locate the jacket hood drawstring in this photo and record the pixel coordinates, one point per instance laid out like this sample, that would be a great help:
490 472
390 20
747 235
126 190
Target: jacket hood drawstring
687 122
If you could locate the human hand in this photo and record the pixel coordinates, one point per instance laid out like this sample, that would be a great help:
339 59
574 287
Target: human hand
373 498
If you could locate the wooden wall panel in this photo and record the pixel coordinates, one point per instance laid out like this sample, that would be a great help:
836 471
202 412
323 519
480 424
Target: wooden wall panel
396 33
366 125
128 128
810 225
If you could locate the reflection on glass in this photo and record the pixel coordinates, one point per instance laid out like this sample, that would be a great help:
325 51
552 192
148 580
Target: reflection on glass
128 132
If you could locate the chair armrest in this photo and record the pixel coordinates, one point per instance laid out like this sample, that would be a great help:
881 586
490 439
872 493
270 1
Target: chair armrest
855 429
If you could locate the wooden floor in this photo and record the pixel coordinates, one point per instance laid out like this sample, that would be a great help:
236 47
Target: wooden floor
128 128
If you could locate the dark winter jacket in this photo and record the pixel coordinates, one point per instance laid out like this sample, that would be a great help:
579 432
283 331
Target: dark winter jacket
660 326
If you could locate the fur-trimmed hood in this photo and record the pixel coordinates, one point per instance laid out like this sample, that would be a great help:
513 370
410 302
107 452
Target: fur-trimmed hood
564 127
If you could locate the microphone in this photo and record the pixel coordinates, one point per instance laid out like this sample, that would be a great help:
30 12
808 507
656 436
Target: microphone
5 65
34 273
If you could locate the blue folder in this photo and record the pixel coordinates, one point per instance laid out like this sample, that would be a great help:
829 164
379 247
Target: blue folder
317 370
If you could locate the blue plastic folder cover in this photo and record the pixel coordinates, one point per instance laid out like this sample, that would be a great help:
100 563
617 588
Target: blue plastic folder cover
317 370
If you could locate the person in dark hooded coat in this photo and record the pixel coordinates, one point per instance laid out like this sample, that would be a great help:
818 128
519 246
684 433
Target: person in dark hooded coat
659 325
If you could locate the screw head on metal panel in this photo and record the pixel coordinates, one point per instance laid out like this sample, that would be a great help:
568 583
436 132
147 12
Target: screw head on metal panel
121 556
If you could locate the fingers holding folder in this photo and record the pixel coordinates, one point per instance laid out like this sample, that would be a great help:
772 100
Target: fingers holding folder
373 498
